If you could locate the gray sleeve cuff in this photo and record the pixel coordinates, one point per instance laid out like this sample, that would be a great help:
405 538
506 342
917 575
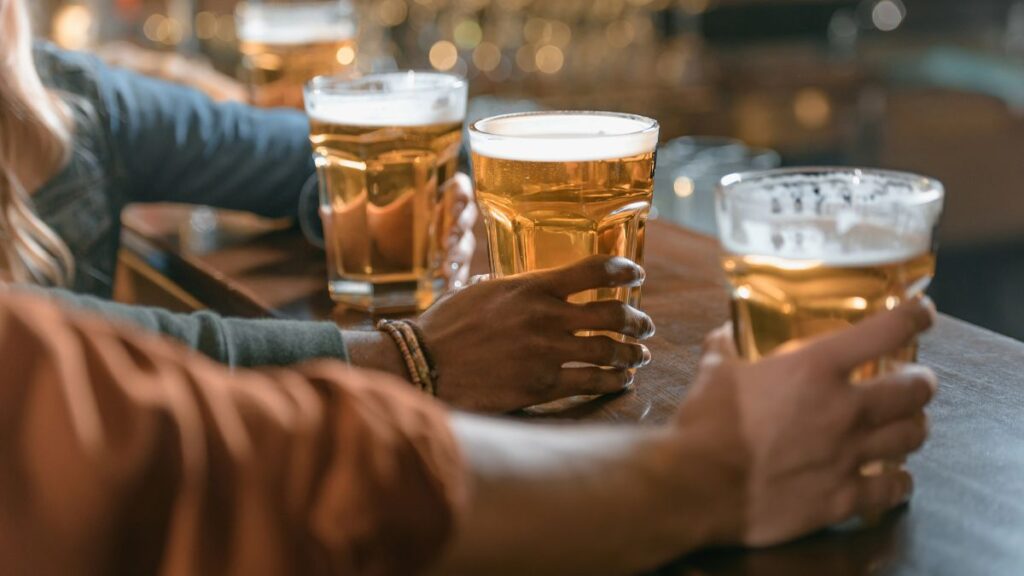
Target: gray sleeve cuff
281 342
232 341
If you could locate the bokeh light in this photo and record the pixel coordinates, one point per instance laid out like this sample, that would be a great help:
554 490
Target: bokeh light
561 34
620 33
175 32
444 55
468 34
346 55
887 15
72 27
390 13
812 108
683 187
487 57
537 31
550 59
154 26
206 25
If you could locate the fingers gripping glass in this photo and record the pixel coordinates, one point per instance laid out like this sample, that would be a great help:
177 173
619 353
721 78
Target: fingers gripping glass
811 250
557 187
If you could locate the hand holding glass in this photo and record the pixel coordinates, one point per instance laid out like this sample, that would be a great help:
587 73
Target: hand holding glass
809 251
557 187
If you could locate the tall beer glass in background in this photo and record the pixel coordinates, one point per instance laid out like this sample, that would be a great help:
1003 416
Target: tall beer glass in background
556 187
383 144
812 250
286 43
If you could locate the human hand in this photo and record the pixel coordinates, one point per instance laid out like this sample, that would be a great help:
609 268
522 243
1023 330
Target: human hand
458 216
789 435
502 345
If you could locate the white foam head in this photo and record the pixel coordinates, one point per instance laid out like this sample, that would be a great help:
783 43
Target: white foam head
296 23
817 241
564 136
834 216
395 99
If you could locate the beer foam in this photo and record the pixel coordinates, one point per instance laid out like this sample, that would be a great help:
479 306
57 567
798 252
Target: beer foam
292 25
821 241
834 257
564 136
794 189
833 216
295 34
402 99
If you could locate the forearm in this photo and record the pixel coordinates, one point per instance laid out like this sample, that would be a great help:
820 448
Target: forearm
176 145
548 500
231 341
122 438
375 350
249 343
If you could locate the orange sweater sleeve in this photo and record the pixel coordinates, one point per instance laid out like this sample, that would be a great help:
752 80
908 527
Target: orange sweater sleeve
121 453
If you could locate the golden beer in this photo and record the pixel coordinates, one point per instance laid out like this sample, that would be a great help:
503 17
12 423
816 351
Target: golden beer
557 187
276 73
381 157
797 273
285 44
779 301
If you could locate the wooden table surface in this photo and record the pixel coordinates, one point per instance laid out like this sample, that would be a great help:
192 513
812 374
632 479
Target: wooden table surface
967 514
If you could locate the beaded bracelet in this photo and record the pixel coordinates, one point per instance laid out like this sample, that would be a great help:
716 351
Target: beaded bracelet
390 328
423 347
417 360
424 360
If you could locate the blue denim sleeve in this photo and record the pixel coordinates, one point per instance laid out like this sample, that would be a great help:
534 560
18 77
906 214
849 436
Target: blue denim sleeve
174 144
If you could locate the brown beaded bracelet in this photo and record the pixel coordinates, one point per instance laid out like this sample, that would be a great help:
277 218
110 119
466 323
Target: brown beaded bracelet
407 338
390 328
422 339
420 358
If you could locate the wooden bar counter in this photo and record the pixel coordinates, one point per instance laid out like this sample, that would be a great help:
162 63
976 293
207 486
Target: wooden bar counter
967 514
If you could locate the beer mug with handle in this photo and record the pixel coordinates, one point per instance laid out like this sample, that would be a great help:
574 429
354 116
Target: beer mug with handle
384 144
811 250
286 43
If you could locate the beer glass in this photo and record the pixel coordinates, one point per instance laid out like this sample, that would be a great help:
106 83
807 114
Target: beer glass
383 144
556 187
811 250
285 43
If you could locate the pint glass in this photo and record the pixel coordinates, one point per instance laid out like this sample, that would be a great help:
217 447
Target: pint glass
808 251
383 144
557 187
285 43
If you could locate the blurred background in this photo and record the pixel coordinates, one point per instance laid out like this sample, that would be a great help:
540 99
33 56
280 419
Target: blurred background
930 86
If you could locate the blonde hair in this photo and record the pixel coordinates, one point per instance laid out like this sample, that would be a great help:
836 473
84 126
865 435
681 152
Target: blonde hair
35 143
